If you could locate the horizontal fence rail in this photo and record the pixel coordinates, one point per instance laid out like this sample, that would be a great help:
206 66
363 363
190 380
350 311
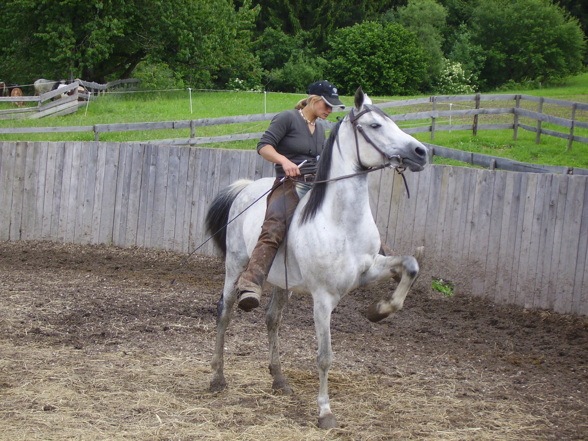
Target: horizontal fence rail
519 238
452 121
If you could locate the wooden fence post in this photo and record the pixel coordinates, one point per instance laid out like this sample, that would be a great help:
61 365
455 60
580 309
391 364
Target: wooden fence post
192 129
475 128
433 119
539 110
571 138
515 134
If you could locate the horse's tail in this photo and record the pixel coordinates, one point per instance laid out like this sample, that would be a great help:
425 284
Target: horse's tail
217 217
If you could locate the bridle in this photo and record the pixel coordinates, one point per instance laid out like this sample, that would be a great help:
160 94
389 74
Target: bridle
358 128
400 168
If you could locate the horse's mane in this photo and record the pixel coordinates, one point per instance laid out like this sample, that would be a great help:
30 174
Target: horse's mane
317 194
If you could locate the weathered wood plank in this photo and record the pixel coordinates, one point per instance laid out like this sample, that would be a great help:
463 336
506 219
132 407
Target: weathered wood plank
546 242
525 272
134 207
7 169
63 227
160 199
495 232
146 195
580 301
180 241
480 234
108 203
421 196
561 183
171 212
568 257
18 185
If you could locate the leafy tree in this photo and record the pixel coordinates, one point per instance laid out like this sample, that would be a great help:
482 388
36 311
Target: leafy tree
526 40
319 17
204 40
427 19
385 59
469 55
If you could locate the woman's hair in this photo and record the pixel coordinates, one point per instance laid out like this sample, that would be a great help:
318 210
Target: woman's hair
306 101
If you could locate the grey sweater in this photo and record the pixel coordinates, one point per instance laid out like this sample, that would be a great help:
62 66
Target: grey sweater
288 133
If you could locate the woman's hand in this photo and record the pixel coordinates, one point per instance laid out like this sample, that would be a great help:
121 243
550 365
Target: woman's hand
269 153
290 168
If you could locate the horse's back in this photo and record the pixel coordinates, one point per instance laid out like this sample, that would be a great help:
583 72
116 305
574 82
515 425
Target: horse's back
247 214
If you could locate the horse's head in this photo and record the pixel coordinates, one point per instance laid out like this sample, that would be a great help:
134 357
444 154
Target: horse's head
379 140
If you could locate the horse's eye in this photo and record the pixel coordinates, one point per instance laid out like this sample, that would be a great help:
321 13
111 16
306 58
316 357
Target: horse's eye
375 125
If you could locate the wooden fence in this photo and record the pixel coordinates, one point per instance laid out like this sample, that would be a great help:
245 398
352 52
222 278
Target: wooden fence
436 120
510 237
52 103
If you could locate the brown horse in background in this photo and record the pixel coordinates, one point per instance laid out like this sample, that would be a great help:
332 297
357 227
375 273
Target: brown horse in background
17 91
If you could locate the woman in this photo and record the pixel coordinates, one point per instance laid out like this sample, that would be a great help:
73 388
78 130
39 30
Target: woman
293 142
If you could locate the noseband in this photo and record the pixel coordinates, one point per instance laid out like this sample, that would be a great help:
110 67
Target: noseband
357 127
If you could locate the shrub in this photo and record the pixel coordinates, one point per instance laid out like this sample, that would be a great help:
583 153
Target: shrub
384 59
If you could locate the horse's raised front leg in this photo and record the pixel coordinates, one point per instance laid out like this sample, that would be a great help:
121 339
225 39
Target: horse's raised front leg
323 308
273 320
224 308
384 267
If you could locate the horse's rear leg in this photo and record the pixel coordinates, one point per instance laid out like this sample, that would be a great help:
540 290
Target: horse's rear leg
273 320
224 308
405 270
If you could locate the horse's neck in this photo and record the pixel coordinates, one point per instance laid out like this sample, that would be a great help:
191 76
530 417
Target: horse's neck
348 196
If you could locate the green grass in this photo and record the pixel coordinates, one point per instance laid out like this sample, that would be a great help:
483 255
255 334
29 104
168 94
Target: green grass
175 105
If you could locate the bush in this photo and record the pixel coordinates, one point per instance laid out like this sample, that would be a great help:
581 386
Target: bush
384 59
155 75
297 74
454 80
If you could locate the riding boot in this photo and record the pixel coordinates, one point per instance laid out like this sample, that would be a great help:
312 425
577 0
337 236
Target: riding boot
281 204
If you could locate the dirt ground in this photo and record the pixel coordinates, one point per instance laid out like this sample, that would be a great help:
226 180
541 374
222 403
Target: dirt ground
97 344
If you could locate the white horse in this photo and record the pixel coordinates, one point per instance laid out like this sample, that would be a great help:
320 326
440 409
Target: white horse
333 244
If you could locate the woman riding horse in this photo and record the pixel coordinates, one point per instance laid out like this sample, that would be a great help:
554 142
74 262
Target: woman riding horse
294 143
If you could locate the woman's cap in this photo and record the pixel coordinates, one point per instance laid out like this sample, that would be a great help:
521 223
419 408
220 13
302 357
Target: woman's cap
327 92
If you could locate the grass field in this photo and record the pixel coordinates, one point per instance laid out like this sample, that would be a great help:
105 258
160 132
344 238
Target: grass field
175 105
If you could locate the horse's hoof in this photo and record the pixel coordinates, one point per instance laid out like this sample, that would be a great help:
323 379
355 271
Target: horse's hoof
218 384
328 422
282 387
374 315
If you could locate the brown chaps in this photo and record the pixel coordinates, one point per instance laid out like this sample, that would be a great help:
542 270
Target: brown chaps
281 203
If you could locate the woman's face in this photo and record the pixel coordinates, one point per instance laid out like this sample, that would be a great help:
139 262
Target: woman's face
321 108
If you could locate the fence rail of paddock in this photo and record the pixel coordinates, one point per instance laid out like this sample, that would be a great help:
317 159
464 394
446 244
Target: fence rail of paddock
554 118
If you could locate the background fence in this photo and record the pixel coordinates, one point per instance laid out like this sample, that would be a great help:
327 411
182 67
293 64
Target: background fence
55 102
510 237
425 116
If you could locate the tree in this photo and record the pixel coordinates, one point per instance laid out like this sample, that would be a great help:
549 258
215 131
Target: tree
204 40
427 19
385 59
526 40
319 17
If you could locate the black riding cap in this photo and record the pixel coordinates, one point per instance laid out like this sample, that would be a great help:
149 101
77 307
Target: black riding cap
327 92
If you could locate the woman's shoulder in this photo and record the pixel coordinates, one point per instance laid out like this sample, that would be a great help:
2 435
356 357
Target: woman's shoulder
285 117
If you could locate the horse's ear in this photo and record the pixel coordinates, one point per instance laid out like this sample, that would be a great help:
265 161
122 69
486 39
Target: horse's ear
359 96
